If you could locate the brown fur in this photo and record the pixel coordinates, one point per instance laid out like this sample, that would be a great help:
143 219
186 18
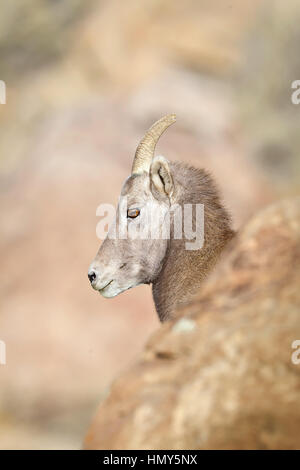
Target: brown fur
184 270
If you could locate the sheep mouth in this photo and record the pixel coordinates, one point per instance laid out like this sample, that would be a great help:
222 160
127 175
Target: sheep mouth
103 288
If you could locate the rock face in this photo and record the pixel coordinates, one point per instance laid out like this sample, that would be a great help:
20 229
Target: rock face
220 376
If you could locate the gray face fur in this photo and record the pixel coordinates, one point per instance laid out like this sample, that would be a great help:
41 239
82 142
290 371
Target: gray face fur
122 263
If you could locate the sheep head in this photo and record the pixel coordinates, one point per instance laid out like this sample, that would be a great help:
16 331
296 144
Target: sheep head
129 256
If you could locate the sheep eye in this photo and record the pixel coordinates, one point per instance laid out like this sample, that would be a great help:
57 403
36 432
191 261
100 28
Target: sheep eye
133 213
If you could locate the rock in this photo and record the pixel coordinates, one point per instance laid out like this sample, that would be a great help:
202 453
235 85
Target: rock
221 377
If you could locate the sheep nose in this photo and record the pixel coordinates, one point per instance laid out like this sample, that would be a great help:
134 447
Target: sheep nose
92 275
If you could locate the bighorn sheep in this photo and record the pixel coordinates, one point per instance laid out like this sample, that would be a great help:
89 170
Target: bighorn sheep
174 271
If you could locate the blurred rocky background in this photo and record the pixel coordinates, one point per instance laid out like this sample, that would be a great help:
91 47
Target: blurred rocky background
84 80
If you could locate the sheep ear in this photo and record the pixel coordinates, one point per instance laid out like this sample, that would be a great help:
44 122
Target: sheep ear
160 177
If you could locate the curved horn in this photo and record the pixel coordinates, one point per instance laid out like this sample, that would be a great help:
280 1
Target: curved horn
145 150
